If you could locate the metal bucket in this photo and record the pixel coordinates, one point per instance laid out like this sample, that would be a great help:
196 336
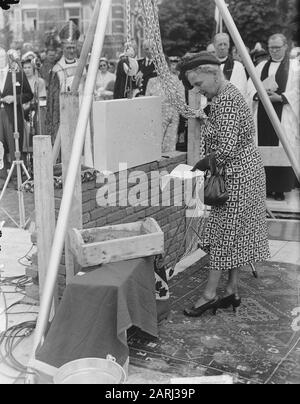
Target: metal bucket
91 371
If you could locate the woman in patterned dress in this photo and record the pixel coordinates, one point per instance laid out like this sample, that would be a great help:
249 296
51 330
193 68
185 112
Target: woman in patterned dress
236 234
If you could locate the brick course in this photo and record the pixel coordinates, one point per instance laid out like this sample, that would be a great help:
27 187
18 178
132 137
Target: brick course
170 218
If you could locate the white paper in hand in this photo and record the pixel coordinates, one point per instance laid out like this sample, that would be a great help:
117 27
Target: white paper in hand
183 172
270 84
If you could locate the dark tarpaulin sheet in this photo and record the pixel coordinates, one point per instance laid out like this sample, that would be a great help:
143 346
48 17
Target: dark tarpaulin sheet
97 309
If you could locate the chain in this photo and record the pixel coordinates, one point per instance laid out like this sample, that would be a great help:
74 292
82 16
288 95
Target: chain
128 22
151 18
170 88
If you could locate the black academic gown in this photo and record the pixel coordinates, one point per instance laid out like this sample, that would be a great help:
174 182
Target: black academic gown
24 95
279 179
148 73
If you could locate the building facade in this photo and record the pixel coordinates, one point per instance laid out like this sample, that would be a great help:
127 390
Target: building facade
30 20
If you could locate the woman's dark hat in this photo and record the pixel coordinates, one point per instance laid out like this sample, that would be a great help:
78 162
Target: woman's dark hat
174 59
193 60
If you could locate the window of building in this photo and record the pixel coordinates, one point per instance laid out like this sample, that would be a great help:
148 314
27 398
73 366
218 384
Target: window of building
30 18
74 14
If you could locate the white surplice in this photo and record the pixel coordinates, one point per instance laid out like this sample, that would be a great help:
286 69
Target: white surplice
291 111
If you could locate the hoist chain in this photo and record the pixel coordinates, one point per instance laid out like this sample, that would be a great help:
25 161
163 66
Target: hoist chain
128 23
169 86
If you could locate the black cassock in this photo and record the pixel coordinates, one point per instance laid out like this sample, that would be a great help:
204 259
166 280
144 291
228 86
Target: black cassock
279 179
24 95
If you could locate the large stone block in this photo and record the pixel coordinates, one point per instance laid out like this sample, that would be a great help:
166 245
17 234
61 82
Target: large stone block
127 131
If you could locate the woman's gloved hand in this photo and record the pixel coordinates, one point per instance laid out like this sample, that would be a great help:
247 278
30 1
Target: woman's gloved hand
202 165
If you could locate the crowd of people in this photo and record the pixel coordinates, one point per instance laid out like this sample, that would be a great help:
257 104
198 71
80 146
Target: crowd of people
236 234
44 75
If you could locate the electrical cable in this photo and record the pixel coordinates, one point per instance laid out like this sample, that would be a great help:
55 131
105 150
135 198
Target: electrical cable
26 256
10 339
18 283
19 303
21 331
2 334
5 306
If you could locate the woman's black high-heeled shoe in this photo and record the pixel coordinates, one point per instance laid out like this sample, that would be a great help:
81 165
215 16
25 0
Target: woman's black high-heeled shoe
198 311
228 301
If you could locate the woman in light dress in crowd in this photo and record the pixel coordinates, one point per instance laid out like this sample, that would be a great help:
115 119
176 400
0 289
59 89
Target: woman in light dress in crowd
105 81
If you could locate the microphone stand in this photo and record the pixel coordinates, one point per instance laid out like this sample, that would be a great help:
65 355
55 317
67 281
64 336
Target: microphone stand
17 163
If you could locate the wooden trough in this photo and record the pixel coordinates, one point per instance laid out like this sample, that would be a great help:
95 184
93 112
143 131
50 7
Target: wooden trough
117 243
284 230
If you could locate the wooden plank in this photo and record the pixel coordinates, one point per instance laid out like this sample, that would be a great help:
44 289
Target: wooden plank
123 250
56 148
276 156
80 69
69 117
291 204
284 230
115 246
44 204
223 379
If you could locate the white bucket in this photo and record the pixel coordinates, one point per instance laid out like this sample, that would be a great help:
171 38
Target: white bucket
91 371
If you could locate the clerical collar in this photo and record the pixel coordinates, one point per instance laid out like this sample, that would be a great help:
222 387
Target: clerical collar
70 62
277 61
223 60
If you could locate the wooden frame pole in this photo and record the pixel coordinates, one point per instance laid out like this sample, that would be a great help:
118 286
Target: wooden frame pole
44 202
62 222
258 84
70 112
88 43
80 68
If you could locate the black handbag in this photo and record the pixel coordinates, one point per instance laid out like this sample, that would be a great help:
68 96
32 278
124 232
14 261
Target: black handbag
215 192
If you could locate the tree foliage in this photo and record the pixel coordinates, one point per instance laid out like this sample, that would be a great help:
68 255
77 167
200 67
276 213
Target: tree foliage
188 25
258 19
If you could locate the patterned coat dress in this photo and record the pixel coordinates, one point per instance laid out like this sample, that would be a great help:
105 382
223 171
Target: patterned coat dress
236 234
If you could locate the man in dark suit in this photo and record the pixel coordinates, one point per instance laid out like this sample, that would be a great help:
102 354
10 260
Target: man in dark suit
146 67
24 95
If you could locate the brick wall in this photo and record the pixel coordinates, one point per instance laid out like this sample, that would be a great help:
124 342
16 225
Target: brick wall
170 218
